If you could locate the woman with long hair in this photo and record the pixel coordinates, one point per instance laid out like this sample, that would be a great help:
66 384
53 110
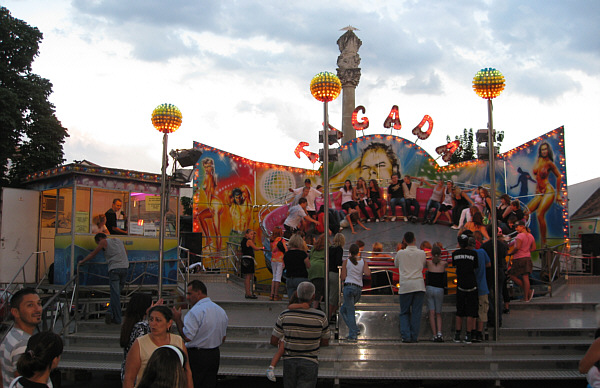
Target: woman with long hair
375 202
165 369
476 225
545 193
278 248
247 263
362 195
316 272
41 356
134 323
160 321
353 271
435 281
336 259
296 262
521 268
460 201
99 224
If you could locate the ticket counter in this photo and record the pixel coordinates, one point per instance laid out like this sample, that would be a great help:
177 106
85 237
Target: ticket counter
74 199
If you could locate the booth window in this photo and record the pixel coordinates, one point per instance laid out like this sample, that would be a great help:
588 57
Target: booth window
102 201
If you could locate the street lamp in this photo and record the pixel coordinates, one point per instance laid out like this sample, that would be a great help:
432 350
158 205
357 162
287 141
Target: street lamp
488 83
326 87
166 118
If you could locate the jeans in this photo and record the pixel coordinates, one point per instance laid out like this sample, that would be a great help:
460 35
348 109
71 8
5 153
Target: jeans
299 373
414 203
292 285
347 311
411 305
431 204
398 202
116 279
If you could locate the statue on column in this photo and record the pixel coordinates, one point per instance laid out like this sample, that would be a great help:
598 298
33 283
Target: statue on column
349 74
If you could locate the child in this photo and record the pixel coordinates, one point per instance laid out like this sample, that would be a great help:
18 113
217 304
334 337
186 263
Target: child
294 304
352 274
435 283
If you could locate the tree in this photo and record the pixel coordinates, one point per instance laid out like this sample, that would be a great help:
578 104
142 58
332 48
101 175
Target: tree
31 136
467 149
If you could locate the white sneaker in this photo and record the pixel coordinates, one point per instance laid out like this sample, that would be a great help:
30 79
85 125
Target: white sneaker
405 219
455 227
376 219
271 373
393 219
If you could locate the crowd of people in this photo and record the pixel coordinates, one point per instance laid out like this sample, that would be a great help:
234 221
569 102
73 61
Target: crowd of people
464 209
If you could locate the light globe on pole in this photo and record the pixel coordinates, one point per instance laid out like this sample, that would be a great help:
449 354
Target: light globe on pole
488 84
166 118
326 87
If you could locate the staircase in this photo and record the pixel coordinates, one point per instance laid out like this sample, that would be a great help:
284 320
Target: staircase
541 340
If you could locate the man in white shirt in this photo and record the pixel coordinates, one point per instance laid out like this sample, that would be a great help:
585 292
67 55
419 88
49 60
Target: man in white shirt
311 196
297 214
410 262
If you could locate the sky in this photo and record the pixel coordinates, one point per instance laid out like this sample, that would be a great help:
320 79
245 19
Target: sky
240 71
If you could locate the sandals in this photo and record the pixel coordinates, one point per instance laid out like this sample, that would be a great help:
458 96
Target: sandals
251 296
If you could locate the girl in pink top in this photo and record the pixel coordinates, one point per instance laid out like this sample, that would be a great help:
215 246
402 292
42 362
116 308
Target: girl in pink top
522 266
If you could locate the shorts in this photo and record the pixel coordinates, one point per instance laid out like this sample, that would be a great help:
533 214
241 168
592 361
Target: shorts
349 205
319 284
247 265
522 266
435 298
277 268
467 303
445 208
484 306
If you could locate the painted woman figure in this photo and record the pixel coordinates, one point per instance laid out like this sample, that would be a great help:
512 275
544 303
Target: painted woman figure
240 210
545 193
210 205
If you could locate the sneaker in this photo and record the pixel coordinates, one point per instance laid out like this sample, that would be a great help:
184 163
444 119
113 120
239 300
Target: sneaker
439 338
376 219
531 297
468 338
393 219
271 373
369 220
434 338
476 337
457 337
405 219
455 227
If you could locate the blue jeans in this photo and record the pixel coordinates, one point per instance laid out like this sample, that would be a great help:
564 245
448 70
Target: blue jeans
292 285
431 204
299 373
116 279
347 311
411 305
398 202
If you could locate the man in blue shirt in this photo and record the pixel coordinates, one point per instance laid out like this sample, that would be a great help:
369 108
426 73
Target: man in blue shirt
482 288
203 329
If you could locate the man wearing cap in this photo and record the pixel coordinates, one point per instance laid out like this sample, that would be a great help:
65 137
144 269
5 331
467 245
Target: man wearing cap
467 302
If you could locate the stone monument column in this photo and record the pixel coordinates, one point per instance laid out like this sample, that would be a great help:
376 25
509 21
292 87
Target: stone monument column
349 74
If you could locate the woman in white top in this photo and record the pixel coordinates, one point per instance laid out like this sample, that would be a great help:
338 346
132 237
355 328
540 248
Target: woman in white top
353 270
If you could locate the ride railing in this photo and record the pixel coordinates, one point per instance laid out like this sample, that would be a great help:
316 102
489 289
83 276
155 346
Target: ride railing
574 262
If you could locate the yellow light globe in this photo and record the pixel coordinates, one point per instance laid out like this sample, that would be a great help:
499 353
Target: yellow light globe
488 83
325 86
166 118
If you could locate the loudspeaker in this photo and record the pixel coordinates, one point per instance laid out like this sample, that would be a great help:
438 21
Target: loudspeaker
193 242
590 245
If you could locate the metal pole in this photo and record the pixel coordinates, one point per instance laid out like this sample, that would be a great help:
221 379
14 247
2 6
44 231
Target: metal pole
494 223
326 202
161 236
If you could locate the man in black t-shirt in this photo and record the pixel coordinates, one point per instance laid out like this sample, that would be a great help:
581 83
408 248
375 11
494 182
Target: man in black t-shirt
112 215
396 196
467 301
